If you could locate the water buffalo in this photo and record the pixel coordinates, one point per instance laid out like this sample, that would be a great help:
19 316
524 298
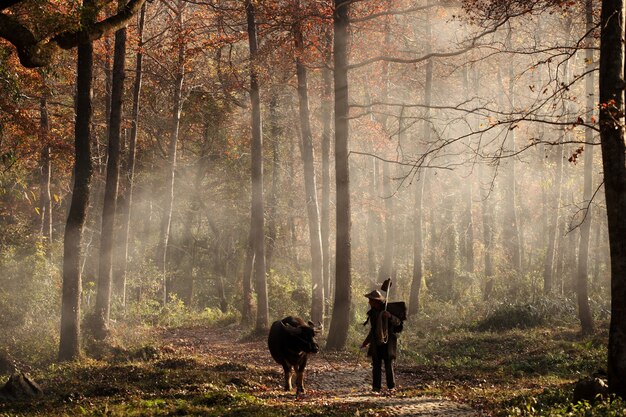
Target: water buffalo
290 341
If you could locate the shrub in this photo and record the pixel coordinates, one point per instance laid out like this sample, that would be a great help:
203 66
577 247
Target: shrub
29 300
509 316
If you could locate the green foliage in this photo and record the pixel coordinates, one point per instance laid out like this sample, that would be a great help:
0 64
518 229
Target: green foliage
509 316
289 296
29 300
557 402
175 314
512 315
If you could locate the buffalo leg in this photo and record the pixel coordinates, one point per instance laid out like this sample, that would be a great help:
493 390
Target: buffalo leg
300 381
287 370
300 376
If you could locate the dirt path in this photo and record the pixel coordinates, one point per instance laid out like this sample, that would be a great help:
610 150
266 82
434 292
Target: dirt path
331 378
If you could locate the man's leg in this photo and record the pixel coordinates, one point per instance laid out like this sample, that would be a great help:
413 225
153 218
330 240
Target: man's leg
391 382
376 373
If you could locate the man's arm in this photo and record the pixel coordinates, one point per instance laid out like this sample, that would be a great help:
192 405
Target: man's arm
392 319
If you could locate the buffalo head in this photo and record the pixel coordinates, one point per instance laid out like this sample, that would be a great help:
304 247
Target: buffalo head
302 335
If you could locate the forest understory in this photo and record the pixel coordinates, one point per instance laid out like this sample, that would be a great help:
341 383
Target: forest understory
224 370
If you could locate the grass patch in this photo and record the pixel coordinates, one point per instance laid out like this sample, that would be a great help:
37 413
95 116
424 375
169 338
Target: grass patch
506 372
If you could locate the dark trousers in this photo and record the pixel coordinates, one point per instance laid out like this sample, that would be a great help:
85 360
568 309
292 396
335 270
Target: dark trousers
381 355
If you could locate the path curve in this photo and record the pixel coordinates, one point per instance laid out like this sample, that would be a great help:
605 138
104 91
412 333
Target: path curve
331 378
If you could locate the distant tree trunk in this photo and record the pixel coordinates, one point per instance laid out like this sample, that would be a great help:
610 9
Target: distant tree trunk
258 226
449 242
386 268
418 249
171 158
272 209
246 308
467 224
291 223
486 187
69 342
558 280
552 232
434 235
125 203
584 311
317 297
554 235
488 223
340 322
510 232
372 221
103 295
418 203
612 143
599 254
326 141
45 198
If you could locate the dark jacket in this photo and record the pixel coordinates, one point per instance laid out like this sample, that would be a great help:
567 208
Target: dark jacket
381 328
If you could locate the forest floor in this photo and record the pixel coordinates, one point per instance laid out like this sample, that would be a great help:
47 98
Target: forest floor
222 370
333 379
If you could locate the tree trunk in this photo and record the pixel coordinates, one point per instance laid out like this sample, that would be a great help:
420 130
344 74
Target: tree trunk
125 204
103 296
258 222
372 221
418 203
45 198
553 227
325 209
272 209
171 158
584 311
246 308
548 281
468 220
69 342
612 144
418 249
445 282
386 267
340 321
317 283
510 232
488 223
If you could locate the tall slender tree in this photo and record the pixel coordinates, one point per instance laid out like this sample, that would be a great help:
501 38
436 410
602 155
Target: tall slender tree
326 142
510 230
317 298
105 266
125 203
45 198
69 341
582 281
257 204
418 201
386 268
170 176
272 206
340 322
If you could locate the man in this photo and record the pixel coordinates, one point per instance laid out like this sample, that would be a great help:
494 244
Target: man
382 340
